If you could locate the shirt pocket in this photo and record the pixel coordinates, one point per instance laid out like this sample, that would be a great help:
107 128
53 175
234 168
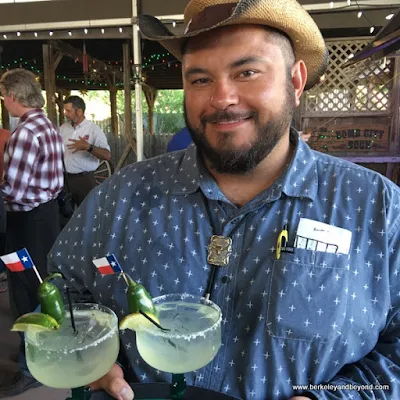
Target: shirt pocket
308 296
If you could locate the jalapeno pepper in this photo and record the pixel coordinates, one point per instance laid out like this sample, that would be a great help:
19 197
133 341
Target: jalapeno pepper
50 299
139 298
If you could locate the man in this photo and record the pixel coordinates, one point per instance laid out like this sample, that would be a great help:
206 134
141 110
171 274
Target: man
323 309
33 178
85 145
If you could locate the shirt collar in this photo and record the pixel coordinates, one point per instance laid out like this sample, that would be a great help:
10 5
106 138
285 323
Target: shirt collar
300 179
81 125
31 113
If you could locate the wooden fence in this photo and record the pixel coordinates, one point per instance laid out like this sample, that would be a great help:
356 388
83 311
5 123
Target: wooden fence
154 145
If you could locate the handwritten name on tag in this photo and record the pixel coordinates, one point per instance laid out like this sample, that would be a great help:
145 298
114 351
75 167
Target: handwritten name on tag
318 236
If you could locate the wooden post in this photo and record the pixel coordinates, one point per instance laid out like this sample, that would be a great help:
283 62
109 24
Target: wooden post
151 95
49 82
127 90
395 123
114 115
5 116
60 104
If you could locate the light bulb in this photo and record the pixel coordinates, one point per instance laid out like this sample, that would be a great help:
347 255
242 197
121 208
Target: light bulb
371 30
35 34
70 33
18 33
102 31
174 24
51 33
359 14
86 31
390 16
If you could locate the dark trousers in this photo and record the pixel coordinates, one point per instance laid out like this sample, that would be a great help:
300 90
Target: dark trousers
80 185
36 230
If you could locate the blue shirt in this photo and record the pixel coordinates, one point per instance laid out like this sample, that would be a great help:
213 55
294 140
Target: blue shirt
180 141
309 317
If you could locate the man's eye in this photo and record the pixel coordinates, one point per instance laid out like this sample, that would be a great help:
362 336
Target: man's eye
200 81
247 74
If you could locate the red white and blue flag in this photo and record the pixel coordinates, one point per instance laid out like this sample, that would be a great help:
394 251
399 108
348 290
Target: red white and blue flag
18 261
108 265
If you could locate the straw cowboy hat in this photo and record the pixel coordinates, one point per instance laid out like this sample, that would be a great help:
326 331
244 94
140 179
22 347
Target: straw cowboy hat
287 16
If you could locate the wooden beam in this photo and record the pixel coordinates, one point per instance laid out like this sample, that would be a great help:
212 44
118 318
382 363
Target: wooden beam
74 53
49 82
127 91
57 58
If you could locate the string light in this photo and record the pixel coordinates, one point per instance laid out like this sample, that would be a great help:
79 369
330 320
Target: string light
69 33
331 4
371 30
18 33
359 15
5 36
102 31
390 16
120 30
51 33
174 24
86 31
35 34
349 2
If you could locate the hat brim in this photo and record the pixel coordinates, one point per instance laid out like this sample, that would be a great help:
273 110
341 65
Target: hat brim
286 16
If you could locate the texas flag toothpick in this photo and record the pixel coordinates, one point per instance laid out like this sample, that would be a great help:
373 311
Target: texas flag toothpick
19 261
109 265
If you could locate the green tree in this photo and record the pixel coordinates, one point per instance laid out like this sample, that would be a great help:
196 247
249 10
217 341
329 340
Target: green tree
168 108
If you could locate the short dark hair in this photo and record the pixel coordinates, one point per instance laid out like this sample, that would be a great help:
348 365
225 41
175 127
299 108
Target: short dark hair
280 37
76 101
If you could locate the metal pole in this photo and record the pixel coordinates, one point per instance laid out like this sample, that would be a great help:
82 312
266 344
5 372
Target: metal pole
137 59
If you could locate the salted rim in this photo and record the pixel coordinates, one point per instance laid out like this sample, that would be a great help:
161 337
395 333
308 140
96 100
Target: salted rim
159 333
91 307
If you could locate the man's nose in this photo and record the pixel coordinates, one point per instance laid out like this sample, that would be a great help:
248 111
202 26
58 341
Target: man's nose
224 94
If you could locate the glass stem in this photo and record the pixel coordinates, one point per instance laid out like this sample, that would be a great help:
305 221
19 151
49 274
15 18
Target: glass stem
178 386
80 393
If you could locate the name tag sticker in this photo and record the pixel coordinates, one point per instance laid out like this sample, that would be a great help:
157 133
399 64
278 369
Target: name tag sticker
318 236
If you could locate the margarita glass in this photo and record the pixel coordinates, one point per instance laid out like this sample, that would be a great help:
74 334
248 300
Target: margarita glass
66 358
191 342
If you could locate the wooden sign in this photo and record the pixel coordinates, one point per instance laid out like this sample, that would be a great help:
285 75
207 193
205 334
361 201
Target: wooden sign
350 139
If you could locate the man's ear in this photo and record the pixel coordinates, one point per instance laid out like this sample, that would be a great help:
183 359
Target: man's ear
299 79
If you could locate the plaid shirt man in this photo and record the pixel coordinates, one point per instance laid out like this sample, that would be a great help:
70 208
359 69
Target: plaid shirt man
32 163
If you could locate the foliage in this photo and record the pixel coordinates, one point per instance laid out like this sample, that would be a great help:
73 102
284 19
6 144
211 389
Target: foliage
168 108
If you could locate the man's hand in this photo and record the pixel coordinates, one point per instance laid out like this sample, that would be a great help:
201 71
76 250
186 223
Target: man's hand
77 145
114 384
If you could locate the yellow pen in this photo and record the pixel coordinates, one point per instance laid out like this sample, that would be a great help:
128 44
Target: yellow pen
282 240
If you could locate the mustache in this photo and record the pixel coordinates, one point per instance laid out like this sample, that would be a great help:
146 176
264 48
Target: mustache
227 116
